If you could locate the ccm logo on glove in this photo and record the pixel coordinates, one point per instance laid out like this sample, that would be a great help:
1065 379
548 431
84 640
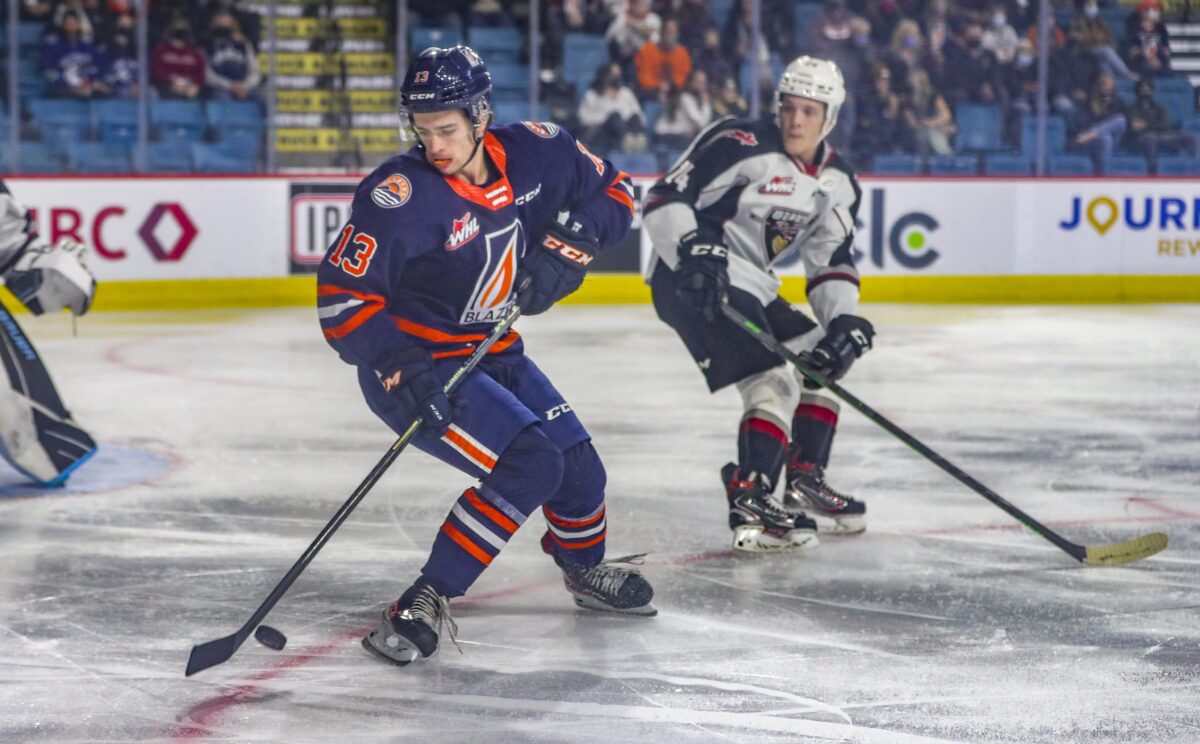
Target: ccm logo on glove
569 252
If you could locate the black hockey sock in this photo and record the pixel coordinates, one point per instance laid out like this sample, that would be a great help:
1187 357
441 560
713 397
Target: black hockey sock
813 428
762 444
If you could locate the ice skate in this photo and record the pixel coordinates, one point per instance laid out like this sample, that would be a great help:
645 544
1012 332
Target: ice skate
607 587
834 512
758 524
411 626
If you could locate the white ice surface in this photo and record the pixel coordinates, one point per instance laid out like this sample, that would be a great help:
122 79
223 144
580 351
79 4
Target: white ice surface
229 439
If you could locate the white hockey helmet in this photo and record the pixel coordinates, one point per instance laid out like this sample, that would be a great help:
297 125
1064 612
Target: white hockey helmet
818 79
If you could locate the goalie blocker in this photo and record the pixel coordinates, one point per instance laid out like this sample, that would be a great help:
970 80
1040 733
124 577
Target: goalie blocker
38 435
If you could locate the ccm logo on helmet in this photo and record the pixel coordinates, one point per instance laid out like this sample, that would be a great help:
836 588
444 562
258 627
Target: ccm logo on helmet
421 96
568 252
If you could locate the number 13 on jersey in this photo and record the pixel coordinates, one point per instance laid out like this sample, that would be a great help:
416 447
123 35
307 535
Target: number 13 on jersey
356 264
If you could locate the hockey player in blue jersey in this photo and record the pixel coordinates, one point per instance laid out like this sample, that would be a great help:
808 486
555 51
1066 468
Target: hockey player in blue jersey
441 241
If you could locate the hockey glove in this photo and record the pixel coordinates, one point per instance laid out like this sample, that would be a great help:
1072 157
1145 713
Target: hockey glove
703 275
553 268
419 392
847 338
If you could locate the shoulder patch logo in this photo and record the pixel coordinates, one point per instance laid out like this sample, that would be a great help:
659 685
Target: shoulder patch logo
543 129
781 185
744 138
393 192
463 231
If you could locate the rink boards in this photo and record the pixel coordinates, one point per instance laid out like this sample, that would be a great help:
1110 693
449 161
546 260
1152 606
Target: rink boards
255 241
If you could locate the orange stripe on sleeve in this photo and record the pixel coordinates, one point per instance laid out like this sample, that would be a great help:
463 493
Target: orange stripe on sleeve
354 322
433 334
493 513
472 451
326 290
465 543
616 192
499 346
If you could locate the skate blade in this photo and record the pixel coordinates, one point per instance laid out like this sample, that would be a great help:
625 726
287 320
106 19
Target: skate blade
589 603
850 525
755 540
403 658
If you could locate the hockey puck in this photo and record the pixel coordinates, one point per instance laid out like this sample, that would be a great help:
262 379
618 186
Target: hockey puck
269 637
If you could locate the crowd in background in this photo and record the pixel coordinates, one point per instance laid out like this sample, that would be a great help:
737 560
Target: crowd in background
199 49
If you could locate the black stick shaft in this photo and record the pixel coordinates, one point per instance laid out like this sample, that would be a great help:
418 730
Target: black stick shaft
215 652
1078 552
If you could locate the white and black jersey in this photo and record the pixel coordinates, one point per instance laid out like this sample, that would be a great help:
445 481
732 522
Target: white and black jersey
737 185
16 229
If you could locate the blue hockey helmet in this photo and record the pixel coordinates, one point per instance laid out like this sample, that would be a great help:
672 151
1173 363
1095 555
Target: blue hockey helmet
443 80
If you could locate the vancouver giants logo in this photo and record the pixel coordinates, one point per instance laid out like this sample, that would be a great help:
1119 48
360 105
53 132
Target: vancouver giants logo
493 291
780 229
744 138
463 231
778 185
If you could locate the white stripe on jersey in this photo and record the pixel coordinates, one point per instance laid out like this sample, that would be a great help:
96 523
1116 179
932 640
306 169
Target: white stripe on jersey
332 311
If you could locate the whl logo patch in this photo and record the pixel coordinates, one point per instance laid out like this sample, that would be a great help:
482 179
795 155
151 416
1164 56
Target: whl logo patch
493 291
463 231
778 185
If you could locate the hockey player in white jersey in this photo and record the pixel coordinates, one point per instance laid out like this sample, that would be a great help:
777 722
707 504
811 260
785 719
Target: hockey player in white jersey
743 197
38 436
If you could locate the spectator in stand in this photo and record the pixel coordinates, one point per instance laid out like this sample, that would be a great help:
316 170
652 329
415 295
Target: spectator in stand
1150 128
1073 73
633 28
177 65
884 17
695 21
929 117
905 55
610 116
1099 40
1106 119
118 60
841 37
79 8
1000 38
728 100
35 10
69 61
586 16
1021 80
232 72
711 59
684 112
881 126
972 72
1148 45
737 35
936 27
663 61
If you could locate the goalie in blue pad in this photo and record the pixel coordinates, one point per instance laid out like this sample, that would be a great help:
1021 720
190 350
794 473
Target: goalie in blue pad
38 436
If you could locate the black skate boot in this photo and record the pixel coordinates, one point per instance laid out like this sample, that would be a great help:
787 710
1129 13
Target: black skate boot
607 587
758 524
411 626
833 512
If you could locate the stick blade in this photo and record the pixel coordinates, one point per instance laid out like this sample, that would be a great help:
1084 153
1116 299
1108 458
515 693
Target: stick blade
211 653
1127 551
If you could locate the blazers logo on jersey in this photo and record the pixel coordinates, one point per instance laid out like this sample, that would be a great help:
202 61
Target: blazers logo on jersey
493 291
779 185
743 137
542 129
781 228
463 231
393 192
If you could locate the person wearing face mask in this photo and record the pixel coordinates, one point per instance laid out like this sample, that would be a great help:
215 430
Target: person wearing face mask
1147 43
1099 40
972 73
1106 120
1150 126
610 115
1073 71
232 72
177 66
118 61
905 54
1000 37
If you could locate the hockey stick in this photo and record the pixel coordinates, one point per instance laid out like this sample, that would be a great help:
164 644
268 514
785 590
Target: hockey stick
1092 555
219 651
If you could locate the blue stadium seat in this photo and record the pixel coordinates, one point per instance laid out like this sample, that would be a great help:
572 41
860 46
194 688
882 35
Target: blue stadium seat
116 121
1069 165
1178 165
635 163
1056 135
582 55
1124 165
60 121
216 159
1007 165
805 13
238 113
1192 125
1177 96
38 157
896 165
96 157
168 157
721 10
29 35
979 127
652 110
423 38
953 165
179 120
510 111
499 44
